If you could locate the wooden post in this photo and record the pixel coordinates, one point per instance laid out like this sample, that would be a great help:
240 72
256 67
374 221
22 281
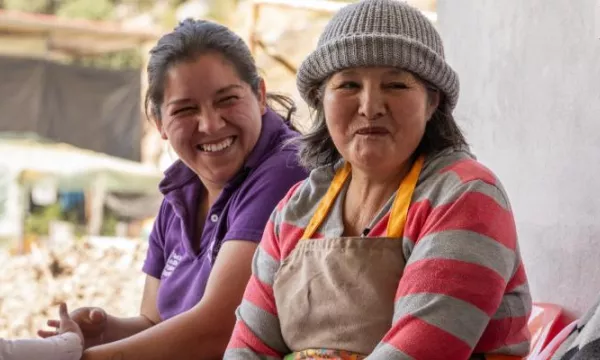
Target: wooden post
97 194
254 17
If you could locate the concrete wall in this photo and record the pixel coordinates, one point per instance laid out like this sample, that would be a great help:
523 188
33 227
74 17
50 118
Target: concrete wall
530 105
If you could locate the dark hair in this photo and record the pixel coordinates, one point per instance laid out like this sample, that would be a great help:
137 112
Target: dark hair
316 148
192 38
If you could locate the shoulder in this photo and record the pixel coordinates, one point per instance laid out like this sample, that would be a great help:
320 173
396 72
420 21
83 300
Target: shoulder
458 163
459 202
162 222
282 158
165 213
302 200
278 171
453 173
263 188
275 156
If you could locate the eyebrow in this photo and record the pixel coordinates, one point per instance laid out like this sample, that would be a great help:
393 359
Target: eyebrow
227 88
218 92
396 72
178 101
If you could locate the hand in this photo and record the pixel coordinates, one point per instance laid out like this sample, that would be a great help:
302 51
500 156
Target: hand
91 321
67 324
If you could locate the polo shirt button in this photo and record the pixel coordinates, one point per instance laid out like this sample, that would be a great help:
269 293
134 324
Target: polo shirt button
214 218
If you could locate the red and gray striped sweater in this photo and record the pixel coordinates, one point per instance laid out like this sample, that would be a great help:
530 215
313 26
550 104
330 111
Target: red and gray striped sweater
464 290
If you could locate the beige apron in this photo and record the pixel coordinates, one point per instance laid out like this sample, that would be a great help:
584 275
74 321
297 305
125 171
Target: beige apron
335 296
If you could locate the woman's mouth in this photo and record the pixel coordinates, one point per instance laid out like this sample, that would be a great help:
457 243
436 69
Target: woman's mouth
217 146
372 130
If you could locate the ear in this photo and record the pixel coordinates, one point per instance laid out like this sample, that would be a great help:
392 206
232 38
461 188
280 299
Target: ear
161 129
262 96
433 101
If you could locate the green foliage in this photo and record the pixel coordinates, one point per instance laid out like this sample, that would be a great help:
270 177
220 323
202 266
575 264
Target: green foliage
86 9
141 5
221 10
38 223
101 10
105 10
109 224
38 6
128 59
168 20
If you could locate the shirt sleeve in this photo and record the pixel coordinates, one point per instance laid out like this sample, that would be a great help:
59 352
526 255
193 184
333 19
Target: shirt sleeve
261 192
257 333
62 347
155 256
455 277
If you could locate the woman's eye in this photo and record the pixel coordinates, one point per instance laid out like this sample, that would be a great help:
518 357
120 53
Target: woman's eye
228 100
183 110
349 85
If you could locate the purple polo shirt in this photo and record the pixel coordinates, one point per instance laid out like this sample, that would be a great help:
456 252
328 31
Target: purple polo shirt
240 213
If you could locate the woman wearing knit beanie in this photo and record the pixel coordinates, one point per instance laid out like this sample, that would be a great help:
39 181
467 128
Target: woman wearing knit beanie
400 245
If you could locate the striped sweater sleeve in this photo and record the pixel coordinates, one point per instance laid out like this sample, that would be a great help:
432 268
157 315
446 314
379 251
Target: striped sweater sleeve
257 333
459 267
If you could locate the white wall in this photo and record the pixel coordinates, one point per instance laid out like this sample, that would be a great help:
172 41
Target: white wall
530 104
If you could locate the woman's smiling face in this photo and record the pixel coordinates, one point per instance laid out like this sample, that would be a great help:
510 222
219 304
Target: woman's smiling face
211 117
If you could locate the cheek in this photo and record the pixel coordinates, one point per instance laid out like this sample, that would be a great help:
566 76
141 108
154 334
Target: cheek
410 114
338 116
336 127
247 118
178 129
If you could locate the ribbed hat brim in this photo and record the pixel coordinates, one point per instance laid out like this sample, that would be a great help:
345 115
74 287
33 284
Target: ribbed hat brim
376 50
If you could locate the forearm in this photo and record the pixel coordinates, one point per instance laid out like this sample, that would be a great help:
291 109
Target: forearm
197 334
121 328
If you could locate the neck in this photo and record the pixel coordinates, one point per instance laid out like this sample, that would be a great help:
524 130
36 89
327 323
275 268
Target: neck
377 190
211 191
367 194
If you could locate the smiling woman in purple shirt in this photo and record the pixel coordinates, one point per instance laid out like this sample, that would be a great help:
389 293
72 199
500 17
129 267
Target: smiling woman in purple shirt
208 101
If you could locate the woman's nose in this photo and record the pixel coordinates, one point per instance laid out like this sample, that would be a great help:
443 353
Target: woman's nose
210 121
372 103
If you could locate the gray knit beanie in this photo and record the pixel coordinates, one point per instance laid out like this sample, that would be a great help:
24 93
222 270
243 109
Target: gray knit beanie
378 33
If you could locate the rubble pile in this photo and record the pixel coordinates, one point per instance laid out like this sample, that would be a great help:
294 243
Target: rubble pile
32 285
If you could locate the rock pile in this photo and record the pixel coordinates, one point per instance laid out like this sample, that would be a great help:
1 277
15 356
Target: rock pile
31 286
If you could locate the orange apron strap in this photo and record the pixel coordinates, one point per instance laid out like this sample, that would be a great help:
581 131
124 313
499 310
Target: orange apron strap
327 202
399 211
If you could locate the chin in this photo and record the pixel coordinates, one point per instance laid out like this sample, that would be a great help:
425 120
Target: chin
370 158
378 156
220 174
374 165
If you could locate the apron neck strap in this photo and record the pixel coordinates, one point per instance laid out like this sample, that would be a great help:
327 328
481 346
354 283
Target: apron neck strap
399 211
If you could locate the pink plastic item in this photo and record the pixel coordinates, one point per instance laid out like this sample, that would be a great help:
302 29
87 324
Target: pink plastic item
546 322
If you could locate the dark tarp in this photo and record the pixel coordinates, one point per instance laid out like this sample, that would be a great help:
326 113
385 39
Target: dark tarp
94 109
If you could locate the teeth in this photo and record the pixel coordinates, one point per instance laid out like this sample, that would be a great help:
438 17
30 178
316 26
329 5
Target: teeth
222 145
